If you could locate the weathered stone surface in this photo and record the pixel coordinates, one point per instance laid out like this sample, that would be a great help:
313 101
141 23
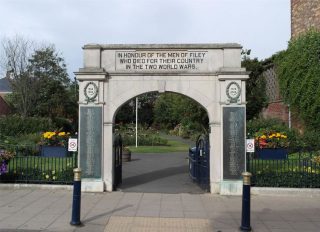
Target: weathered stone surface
90 141
233 142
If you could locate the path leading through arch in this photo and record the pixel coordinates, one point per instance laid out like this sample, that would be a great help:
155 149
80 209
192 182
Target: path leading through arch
158 173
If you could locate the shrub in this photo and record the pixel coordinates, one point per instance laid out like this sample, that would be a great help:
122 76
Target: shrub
256 125
146 136
14 125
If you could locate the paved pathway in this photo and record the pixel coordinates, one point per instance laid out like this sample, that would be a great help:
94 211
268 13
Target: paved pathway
44 210
158 173
178 206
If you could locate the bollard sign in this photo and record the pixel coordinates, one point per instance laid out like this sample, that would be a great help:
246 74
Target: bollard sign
250 145
73 145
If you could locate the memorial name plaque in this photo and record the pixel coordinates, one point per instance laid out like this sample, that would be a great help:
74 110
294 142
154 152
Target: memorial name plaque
90 141
233 142
187 60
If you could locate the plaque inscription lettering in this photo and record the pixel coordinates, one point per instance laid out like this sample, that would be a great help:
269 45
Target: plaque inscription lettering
233 142
90 141
188 60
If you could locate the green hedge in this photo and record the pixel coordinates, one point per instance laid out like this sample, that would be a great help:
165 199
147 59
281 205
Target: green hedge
13 125
144 140
286 179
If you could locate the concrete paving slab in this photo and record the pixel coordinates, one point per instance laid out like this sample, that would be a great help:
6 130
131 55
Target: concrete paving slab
271 213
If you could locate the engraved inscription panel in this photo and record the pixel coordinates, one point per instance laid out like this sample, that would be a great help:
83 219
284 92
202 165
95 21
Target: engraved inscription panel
164 61
233 142
90 141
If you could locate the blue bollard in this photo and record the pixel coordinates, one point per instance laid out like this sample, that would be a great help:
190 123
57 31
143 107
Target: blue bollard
245 217
76 204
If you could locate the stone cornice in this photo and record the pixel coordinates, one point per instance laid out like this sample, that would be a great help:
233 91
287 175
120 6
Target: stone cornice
163 46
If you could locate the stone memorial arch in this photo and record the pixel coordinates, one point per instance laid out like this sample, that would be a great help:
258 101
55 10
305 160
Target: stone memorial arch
211 74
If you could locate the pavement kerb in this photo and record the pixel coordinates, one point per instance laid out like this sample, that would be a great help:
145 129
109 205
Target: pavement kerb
254 190
36 186
285 191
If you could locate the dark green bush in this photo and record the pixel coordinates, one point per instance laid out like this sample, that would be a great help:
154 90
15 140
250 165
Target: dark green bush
144 140
146 135
310 140
286 179
13 125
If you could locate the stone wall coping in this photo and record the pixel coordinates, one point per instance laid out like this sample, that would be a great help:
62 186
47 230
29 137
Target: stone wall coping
163 46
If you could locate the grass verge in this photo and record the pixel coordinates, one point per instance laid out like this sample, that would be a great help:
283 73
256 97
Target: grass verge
173 146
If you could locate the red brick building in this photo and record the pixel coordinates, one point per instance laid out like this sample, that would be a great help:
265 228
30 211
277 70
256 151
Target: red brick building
4 89
305 14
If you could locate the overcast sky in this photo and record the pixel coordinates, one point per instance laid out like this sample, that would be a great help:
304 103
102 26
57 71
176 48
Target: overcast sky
260 25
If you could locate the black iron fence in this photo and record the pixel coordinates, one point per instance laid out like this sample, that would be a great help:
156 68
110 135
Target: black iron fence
299 170
40 170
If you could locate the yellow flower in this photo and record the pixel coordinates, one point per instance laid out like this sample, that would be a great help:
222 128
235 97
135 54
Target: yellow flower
278 135
263 137
62 134
47 176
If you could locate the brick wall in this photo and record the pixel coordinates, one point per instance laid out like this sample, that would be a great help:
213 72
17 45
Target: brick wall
4 108
304 15
276 108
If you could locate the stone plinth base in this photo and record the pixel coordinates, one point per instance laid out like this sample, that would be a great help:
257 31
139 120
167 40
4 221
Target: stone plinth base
92 185
229 187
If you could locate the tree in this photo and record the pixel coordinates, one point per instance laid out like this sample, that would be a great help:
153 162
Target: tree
255 87
172 109
49 71
126 113
39 79
298 70
15 56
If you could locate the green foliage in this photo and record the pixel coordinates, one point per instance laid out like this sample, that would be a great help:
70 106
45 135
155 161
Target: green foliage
172 109
286 179
14 125
255 87
258 125
127 112
298 69
44 89
50 71
172 146
34 169
309 140
146 136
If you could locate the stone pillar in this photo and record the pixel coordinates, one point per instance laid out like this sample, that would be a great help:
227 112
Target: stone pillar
91 129
233 129
215 157
108 156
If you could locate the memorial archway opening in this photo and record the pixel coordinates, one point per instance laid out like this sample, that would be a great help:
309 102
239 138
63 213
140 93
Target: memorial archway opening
211 74
168 125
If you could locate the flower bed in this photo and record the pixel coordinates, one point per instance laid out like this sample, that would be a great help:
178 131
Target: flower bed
54 144
5 156
271 144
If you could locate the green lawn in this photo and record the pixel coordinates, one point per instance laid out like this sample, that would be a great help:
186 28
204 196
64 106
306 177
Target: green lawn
173 146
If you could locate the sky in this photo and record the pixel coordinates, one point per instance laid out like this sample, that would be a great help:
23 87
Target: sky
260 25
